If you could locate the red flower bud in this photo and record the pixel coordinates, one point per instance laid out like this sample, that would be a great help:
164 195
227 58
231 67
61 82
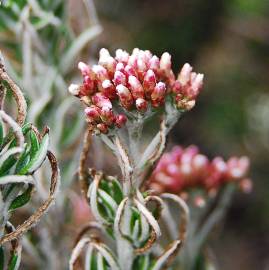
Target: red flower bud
177 87
102 127
125 96
154 63
121 120
100 73
141 104
129 70
158 93
108 89
93 113
119 78
107 116
101 100
149 82
135 87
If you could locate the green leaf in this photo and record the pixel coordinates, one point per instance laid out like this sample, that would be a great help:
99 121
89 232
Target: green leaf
23 161
8 164
93 263
22 199
34 143
38 157
13 262
117 191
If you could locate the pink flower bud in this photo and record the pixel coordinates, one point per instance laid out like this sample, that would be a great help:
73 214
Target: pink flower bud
199 161
141 65
100 73
177 87
101 100
154 63
121 120
74 89
107 61
109 89
158 93
130 71
149 82
219 165
185 74
102 127
133 61
88 84
197 82
84 69
120 67
119 78
141 104
237 168
122 56
107 116
125 96
135 87
165 62
93 113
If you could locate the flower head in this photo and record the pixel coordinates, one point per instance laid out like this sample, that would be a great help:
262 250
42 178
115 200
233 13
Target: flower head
139 81
184 169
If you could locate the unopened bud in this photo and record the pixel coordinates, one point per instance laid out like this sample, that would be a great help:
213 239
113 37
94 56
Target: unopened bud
159 92
84 69
102 127
149 82
101 101
119 78
109 89
93 113
141 104
125 96
74 89
130 71
107 116
177 87
165 62
100 73
121 119
122 56
135 87
185 74
154 63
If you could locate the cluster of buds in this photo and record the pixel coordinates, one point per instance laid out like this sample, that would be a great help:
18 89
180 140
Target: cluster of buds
137 81
182 170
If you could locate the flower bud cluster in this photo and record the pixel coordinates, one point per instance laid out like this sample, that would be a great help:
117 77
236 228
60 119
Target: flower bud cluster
136 81
184 169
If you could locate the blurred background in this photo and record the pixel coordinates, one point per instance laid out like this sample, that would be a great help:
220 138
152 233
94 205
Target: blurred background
228 41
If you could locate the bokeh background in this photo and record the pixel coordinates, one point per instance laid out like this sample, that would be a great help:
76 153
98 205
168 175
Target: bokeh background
227 40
